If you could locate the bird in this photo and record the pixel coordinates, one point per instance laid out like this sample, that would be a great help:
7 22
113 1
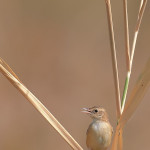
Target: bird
99 132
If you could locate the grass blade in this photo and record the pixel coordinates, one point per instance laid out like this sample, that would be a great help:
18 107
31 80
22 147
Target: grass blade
40 107
140 15
126 29
114 58
136 95
5 65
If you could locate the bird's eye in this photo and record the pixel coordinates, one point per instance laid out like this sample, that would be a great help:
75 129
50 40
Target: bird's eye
95 110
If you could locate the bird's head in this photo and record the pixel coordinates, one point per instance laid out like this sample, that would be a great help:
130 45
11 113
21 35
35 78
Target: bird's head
96 113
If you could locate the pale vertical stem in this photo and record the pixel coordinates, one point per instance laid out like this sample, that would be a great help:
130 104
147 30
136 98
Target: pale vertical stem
127 45
127 48
140 16
41 108
114 58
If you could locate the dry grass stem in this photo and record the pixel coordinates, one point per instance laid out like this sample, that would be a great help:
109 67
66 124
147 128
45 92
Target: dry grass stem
124 112
140 16
126 29
141 86
117 143
136 95
114 58
40 107
5 65
120 139
115 139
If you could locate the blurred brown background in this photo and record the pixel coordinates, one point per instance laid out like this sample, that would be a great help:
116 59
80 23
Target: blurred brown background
60 50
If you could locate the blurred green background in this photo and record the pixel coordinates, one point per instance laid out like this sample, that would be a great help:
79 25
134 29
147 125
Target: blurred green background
60 50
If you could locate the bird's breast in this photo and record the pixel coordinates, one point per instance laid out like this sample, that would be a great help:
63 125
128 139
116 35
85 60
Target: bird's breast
99 135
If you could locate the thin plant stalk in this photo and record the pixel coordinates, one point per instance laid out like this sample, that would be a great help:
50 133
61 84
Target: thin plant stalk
115 139
135 99
140 15
126 29
40 107
138 91
114 58
136 96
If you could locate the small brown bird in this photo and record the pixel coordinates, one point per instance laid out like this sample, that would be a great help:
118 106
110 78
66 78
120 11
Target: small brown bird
99 132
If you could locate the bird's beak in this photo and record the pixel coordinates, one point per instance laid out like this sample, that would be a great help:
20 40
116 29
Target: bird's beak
86 110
